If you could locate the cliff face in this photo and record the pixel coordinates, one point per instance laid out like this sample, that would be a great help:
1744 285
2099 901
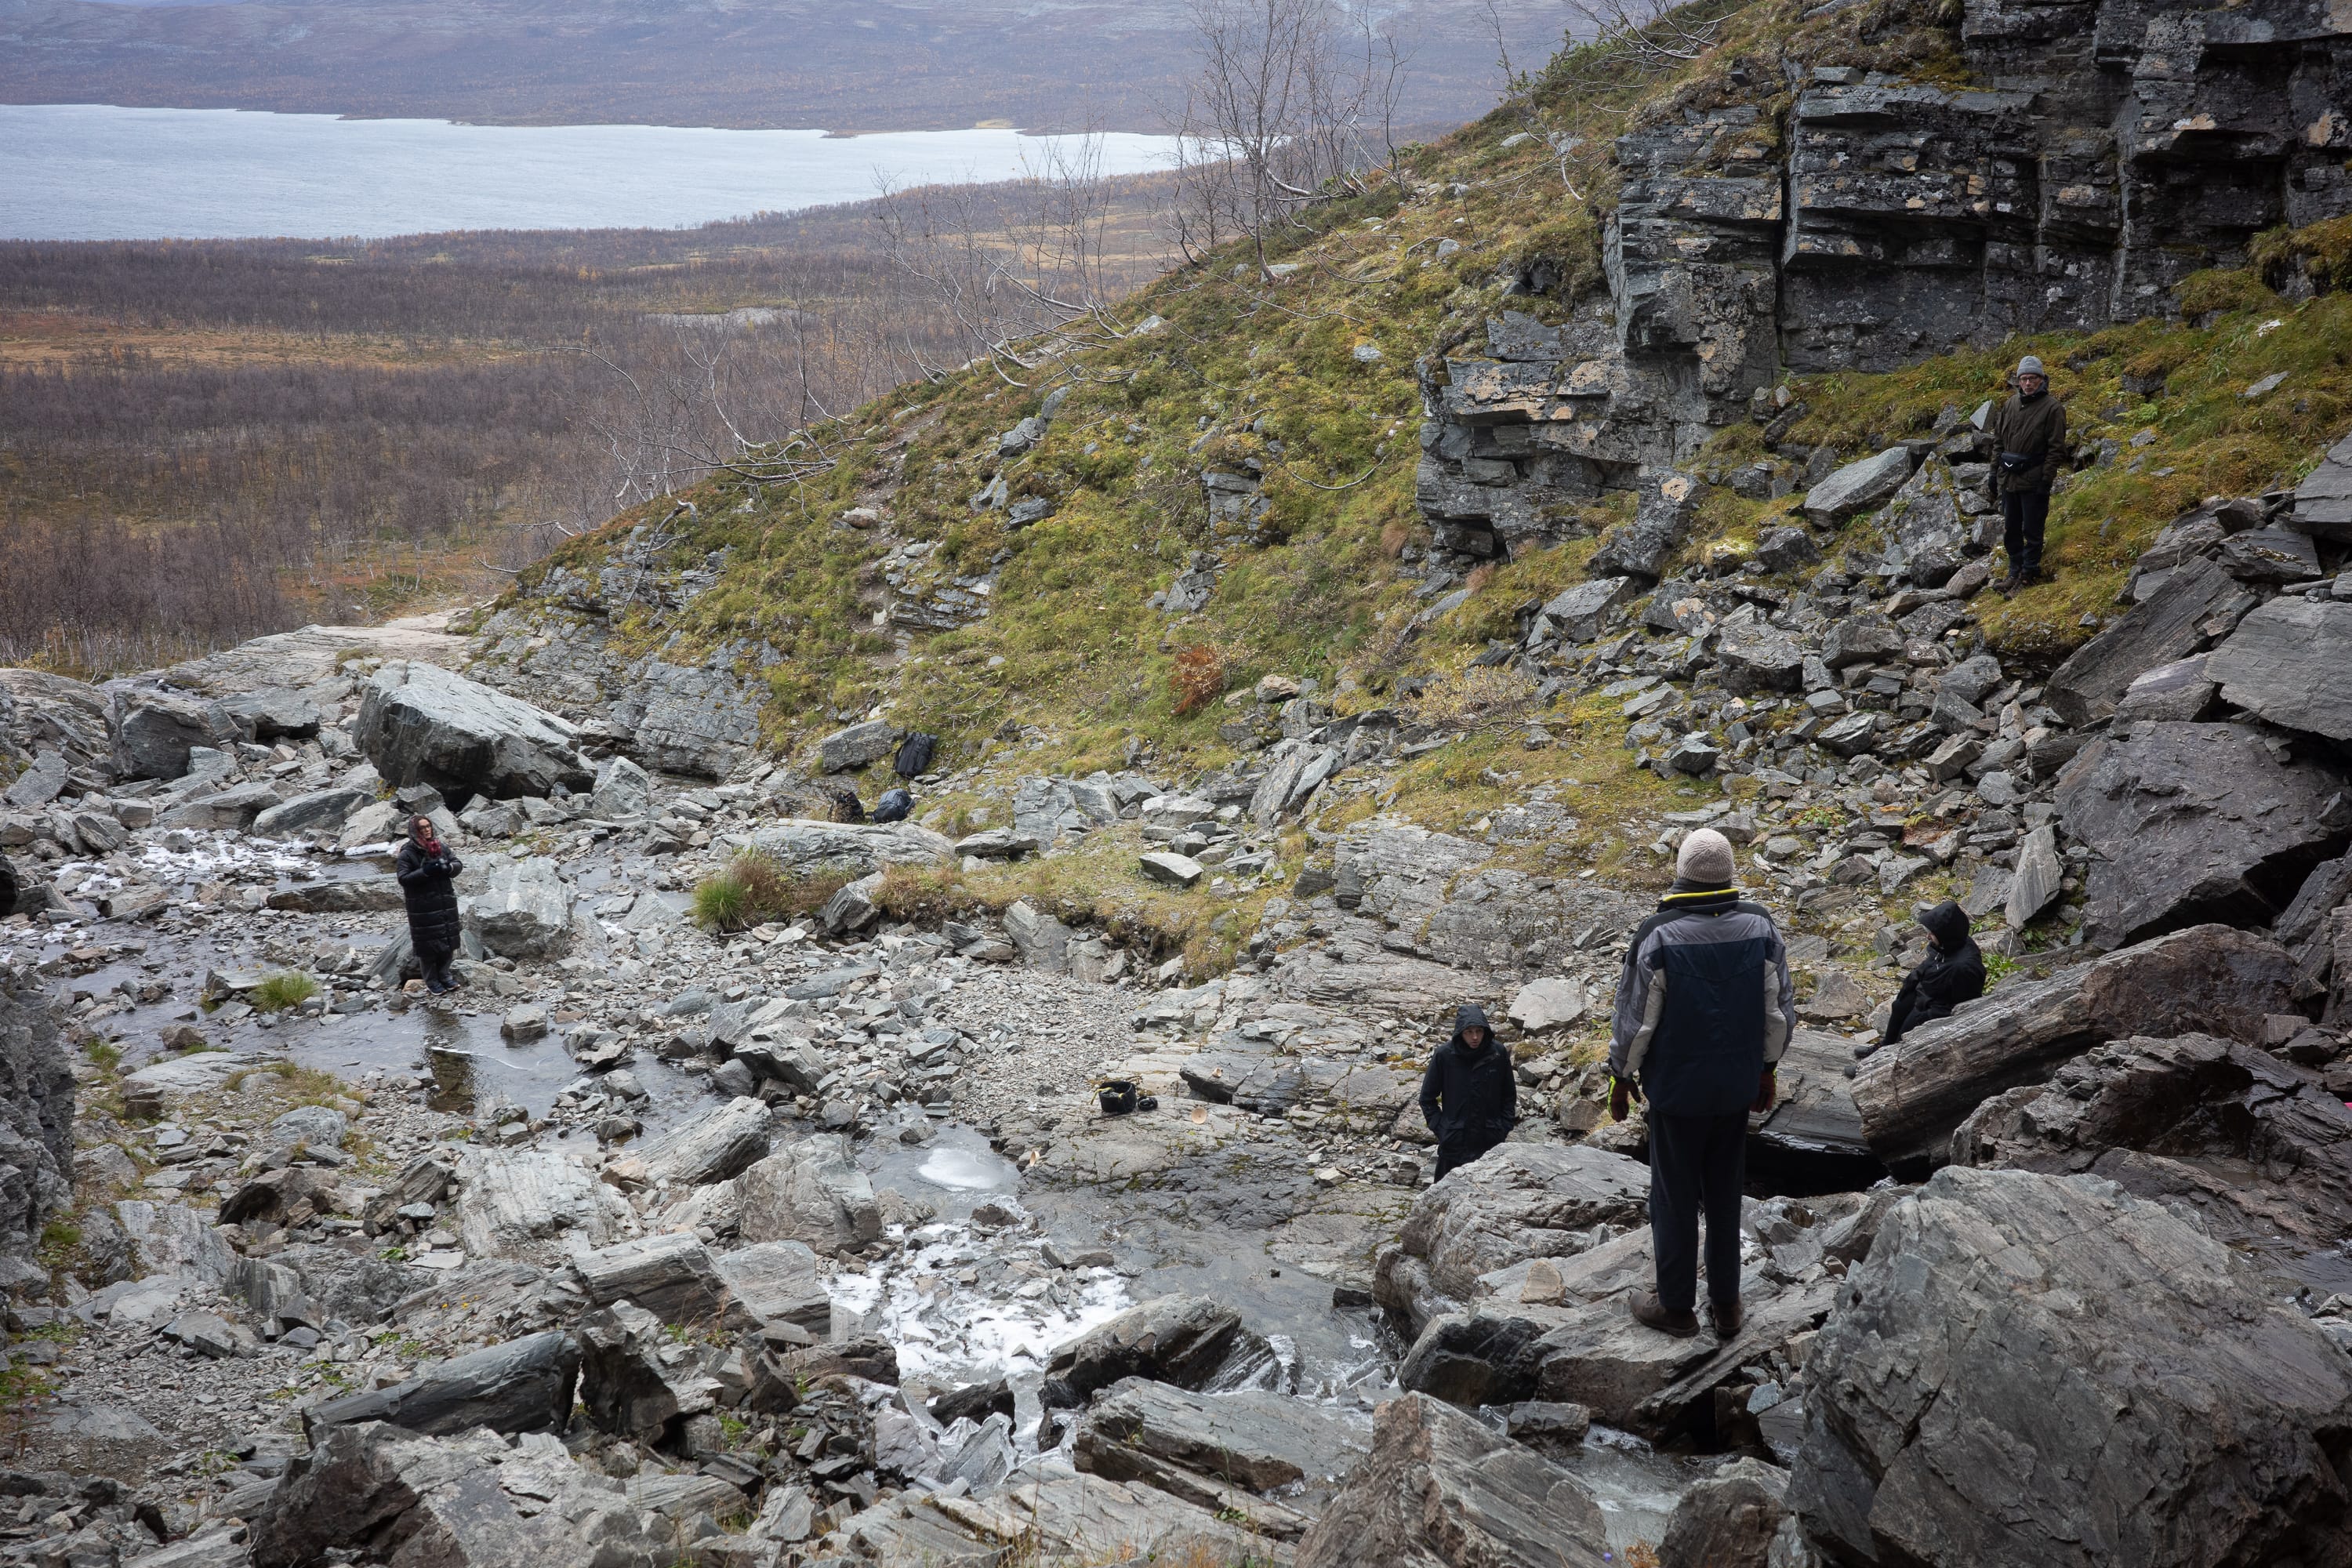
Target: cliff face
1844 220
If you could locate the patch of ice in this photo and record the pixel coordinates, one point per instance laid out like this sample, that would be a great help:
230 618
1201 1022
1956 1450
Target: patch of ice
940 1326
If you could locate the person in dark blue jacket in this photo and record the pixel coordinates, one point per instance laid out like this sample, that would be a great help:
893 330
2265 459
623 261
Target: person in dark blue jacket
1705 1007
1469 1096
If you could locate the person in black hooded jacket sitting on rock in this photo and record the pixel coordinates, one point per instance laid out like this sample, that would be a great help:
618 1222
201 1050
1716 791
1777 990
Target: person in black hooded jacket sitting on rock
1469 1096
1952 973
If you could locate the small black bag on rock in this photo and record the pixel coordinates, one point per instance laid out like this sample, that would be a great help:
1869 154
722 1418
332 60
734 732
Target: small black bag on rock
1119 1097
915 754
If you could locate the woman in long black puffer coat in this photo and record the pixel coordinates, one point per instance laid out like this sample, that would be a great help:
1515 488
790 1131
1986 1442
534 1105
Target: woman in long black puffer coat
428 883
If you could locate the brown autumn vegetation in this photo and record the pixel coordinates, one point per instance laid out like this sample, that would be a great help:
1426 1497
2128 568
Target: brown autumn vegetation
206 441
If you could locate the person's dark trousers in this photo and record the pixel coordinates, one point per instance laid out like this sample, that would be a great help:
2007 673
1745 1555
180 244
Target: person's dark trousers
1696 1163
433 964
2027 513
1461 1151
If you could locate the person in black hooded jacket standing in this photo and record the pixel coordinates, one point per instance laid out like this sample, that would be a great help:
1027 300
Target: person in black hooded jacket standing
428 884
1469 1096
1952 973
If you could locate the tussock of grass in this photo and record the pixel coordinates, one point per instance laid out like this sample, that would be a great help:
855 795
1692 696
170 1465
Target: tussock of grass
753 889
281 992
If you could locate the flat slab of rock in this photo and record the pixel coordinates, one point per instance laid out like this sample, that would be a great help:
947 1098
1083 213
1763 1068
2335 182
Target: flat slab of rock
778 1281
1181 1340
2193 822
2211 978
523 1386
1441 1489
712 1148
1966 1406
1171 870
508 1199
1861 486
2290 662
419 723
802 846
2175 622
670 1276
1254 1439
1522 1201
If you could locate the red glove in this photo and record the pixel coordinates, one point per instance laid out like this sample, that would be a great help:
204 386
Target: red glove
1766 1091
1621 1099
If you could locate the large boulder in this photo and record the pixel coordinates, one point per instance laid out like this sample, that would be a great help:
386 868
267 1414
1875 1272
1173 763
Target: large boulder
452 1503
670 1275
154 730
512 1202
2185 1122
2176 620
523 1386
2193 822
636 1378
857 746
2290 662
1188 1340
623 792
43 712
273 713
1663 516
802 846
419 723
1562 1328
2323 502
811 1191
711 1147
1442 1490
1522 1201
1913 1093
1729 1519
523 908
2044 1372
777 1281
36 1113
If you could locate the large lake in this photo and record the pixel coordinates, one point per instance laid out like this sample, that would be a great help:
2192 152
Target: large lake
96 171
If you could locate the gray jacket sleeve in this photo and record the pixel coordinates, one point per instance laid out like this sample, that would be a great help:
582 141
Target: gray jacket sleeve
1779 1001
1640 999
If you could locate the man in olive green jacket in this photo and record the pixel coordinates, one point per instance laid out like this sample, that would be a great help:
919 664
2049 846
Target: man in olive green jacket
2029 441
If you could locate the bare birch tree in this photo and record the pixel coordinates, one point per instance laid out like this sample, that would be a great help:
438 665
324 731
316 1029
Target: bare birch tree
1294 102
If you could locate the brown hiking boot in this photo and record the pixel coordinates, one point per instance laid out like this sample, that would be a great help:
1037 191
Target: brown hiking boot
1650 1312
1724 1318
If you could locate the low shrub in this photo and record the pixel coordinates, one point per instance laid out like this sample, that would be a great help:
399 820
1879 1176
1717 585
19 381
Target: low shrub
754 888
282 991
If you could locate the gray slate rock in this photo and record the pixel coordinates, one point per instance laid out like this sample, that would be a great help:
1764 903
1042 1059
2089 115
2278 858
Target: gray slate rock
2181 1122
1860 487
154 731
1582 613
713 1147
419 723
321 811
447 1505
2170 625
1662 521
857 746
1964 1408
36 1113
810 1191
1729 1519
523 1386
39 784
670 1275
2323 502
2290 662
1137 1428
1182 1340
802 846
2180 692
2191 823
1913 1093
273 713
523 908
1442 1490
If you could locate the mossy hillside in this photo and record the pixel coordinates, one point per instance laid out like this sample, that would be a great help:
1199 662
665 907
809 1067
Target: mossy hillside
2154 454
1071 668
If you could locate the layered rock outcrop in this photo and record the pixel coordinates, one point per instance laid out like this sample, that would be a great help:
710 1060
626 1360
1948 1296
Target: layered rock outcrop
2112 147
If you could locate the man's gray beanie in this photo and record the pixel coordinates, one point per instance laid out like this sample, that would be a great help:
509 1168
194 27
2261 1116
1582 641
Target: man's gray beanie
2031 365
1706 856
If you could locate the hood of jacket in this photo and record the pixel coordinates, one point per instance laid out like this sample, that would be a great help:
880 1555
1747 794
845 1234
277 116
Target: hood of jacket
1947 923
1472 1017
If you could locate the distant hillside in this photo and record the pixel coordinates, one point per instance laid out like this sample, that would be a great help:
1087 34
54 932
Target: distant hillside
912 65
